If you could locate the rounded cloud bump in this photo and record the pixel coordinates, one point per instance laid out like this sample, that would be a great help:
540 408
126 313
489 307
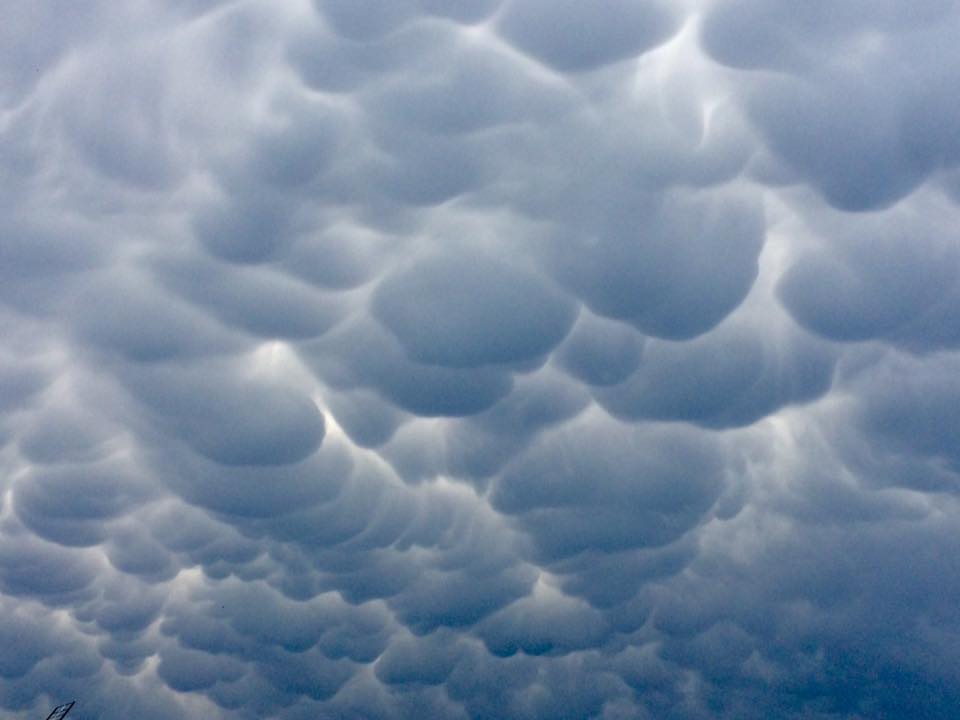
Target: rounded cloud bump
467 310
570 36
855 103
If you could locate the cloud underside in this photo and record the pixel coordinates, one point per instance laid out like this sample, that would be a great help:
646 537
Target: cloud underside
480 359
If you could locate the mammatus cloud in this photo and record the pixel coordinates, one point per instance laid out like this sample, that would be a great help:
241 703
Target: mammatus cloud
479 359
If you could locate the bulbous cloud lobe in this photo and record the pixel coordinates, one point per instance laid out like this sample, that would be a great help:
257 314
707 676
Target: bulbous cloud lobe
466 310
479 359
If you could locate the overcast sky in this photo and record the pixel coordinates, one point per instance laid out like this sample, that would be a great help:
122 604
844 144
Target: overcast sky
387 359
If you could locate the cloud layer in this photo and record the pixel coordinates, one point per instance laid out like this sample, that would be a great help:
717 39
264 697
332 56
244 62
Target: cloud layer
480 359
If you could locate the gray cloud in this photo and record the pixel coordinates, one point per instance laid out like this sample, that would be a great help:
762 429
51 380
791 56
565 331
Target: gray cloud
892 276
607 488
489 313
569 37
843 108
488 358
650 260
732 376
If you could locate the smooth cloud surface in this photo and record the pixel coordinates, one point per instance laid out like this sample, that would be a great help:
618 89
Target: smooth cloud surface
480 359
